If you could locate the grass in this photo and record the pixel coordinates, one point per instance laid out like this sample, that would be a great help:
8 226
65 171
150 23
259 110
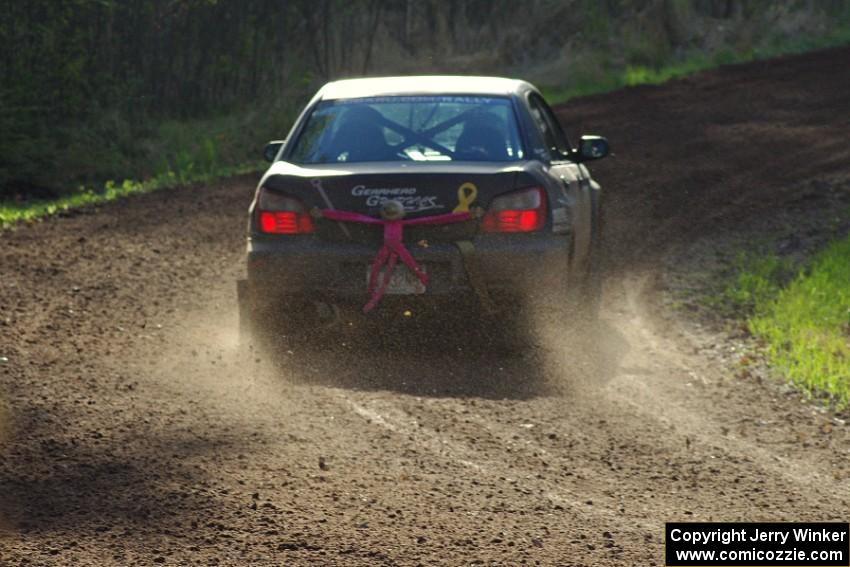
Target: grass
757 280
164 154
12 212
605 77
804 325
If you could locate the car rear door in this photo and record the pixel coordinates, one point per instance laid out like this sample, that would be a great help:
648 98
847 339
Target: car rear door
572 207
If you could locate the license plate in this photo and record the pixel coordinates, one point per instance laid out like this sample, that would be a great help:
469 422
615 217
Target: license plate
403 282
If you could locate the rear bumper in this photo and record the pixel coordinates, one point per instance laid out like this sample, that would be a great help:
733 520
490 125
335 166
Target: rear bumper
505 263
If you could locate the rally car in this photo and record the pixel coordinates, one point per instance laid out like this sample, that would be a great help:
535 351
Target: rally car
400 195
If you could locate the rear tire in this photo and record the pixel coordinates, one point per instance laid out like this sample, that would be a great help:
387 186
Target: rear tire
280 321
507 331
585 288
254 319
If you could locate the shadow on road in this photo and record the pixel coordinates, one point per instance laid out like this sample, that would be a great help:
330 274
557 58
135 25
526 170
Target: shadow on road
427 360
118 486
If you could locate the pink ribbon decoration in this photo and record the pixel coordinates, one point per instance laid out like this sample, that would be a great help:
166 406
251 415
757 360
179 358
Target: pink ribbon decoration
392 248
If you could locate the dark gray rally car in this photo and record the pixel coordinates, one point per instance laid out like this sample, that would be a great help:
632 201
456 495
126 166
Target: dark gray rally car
407 195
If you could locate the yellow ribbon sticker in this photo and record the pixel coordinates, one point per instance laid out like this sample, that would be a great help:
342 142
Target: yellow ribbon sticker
466 195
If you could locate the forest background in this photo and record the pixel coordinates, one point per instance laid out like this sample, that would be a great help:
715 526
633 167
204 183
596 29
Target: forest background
167 92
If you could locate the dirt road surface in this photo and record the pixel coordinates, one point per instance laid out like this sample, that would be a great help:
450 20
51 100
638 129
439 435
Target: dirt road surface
133 434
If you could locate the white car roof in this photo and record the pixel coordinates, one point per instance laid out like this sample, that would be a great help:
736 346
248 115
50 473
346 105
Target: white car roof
422 85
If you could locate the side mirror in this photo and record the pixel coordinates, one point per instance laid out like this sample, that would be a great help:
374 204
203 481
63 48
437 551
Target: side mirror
271 150
591 148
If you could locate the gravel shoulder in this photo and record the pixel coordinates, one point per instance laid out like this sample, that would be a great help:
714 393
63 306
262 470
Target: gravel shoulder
136 435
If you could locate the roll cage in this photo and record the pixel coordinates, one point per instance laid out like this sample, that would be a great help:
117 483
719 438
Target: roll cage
528 140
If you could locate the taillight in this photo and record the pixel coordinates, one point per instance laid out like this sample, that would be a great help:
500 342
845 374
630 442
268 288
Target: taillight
521 211
285 223
280 214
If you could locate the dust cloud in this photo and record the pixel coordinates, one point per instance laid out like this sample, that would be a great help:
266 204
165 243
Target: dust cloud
202 360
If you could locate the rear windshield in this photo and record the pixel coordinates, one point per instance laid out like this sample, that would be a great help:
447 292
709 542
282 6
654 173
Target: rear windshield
410 128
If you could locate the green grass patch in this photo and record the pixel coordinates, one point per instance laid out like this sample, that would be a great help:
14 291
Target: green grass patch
756 281
804 325
12 212
158 155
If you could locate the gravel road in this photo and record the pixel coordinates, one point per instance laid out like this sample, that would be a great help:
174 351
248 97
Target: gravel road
133 433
